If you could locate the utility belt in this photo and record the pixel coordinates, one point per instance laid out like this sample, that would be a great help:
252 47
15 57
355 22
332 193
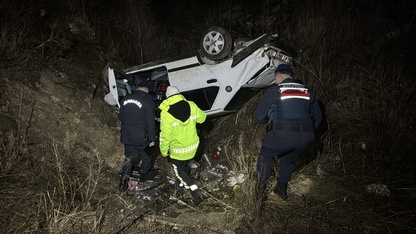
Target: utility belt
291 128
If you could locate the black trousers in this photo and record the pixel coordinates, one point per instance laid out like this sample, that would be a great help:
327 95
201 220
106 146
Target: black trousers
287 146
182 170
131 153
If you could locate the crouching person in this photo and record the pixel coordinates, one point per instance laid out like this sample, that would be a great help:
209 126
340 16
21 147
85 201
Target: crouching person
178 136
137 132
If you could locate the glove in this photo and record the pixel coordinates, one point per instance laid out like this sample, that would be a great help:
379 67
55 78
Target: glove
168 158
165 155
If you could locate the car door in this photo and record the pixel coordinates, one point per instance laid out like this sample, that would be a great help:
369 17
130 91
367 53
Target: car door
118 84
121 83
198 84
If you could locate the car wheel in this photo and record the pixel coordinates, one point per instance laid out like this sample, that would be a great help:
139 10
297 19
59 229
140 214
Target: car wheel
216 43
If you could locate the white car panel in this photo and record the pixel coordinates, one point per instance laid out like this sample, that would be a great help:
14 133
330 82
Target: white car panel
113 88
189 79
252 66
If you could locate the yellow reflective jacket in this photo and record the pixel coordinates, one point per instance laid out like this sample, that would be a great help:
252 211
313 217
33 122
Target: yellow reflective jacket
178 134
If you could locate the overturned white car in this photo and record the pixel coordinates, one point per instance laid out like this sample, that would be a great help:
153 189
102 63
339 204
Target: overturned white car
220 78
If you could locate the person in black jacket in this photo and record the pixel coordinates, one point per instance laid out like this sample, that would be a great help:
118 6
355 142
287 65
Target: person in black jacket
137 116
293 112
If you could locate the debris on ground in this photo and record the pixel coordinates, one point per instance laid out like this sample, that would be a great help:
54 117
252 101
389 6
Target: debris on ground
213 177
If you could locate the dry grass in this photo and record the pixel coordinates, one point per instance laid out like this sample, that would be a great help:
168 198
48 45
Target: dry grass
342 55
369 100
26 35
240 150
56 195
15 149
13 32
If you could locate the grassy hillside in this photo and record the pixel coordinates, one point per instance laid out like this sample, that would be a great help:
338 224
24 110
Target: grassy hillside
59 145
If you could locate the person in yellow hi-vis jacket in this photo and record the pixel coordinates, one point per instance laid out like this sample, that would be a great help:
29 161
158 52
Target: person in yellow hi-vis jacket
179 138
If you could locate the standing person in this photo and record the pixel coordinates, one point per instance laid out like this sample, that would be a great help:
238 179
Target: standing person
179 138
294 113
137 116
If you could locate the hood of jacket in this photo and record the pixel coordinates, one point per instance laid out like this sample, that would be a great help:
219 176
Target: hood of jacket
178 107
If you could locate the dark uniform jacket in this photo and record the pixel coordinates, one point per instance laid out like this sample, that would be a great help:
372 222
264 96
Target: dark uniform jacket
289 103
137 116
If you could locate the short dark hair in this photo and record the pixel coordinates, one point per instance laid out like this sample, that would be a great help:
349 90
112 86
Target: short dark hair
142 84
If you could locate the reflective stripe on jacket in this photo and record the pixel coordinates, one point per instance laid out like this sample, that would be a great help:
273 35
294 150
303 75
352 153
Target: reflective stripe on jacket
289 103
179 138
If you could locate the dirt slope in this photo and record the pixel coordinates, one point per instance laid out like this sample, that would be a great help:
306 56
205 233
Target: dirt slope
57 101
63 102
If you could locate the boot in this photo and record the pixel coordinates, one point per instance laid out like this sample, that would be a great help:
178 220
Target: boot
197 196
281 190
123 186
148 175
180 189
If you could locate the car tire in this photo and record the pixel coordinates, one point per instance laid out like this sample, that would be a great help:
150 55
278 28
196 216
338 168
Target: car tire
216 43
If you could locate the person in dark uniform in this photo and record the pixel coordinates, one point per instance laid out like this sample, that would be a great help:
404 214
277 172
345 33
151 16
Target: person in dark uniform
293 112
137 116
